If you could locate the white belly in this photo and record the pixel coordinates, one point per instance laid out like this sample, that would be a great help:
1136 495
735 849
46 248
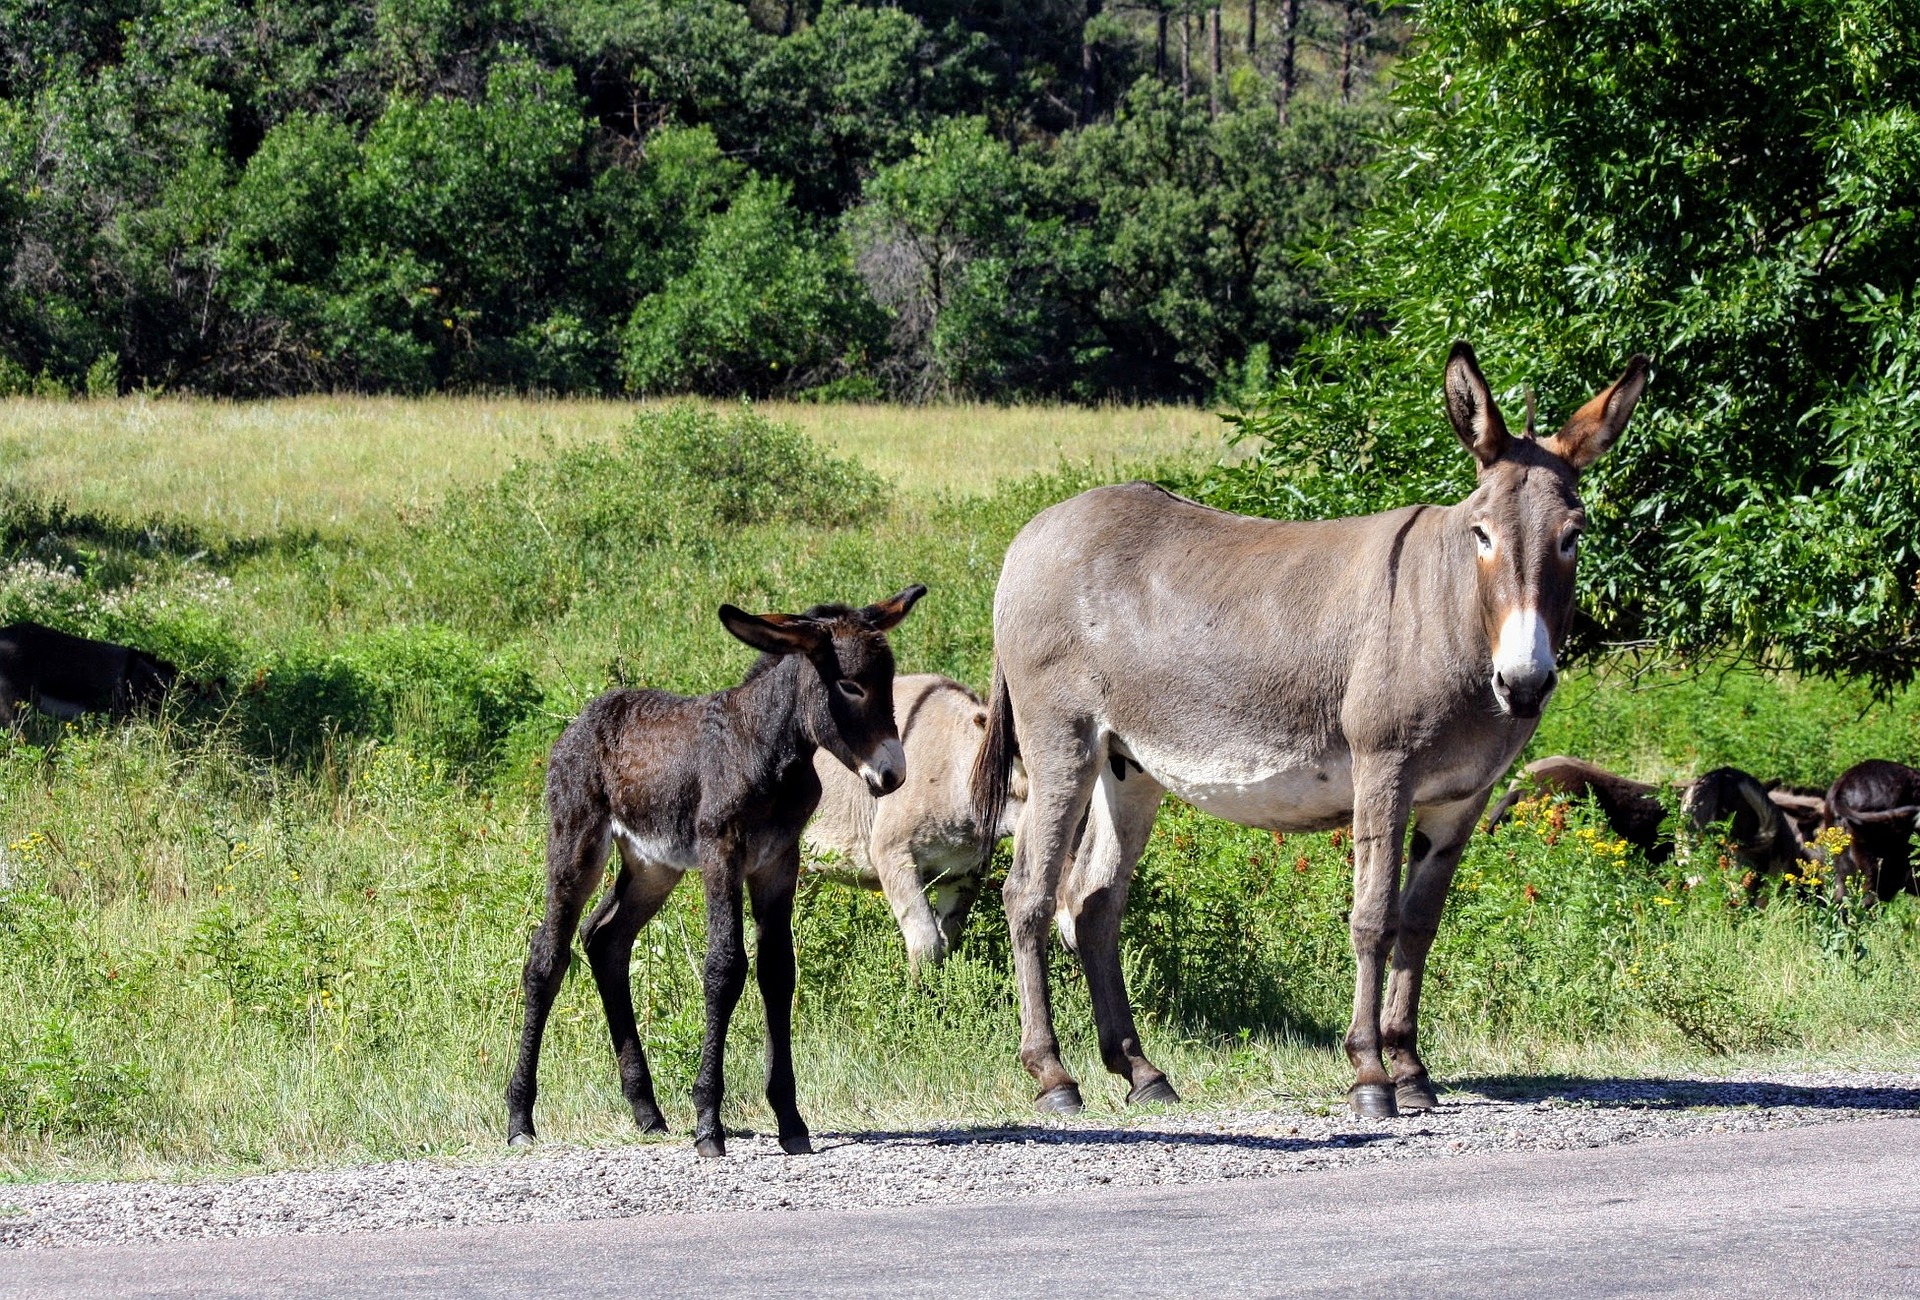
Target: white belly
1267 789
654 849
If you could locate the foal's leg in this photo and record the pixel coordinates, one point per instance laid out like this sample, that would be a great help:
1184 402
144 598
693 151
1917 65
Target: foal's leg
576 853
1094 894
772 894
1440 835
726 976
1379 832
608 938
1061 767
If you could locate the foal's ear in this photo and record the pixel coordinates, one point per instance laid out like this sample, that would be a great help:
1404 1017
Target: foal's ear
1470 406
885 615
1594 426
775 634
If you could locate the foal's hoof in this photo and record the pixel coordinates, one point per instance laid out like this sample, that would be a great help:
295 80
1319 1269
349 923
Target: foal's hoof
520 1140
1372 1101
649 1121
1158 1092
711 1147
1415 1094
797 1145
1063 1099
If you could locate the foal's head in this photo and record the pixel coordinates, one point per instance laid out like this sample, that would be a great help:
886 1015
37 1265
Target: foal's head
1525 519
847 709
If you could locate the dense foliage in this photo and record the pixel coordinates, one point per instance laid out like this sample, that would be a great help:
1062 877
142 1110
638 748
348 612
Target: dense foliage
662 195
1732 187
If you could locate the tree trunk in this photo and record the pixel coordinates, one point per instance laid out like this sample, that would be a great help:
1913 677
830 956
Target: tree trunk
1349 37
1160 46
1089 67
1253 29
1213 82
1186 54
786 23
1289 45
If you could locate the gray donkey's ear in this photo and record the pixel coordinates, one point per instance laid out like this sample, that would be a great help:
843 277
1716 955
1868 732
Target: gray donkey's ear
774 634
885 615
1470 407
1595 426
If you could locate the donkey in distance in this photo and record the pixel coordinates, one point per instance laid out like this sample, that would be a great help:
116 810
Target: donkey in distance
1287 676
924 837
64 676
720 784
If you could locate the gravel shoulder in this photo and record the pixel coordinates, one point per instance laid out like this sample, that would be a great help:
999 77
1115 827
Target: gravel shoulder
891 1170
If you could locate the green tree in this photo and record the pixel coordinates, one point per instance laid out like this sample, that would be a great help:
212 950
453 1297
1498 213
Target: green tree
1731 186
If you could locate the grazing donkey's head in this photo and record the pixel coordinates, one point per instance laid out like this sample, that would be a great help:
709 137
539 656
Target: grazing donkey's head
848 710
1525 519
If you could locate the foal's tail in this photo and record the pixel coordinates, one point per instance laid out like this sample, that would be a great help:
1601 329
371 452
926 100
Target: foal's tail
1877 816
993 765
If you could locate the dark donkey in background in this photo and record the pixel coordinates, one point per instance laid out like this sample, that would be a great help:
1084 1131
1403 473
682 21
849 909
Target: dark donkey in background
1289 676
720 784
64 676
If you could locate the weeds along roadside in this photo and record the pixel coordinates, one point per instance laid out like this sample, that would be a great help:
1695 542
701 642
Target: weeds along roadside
285 926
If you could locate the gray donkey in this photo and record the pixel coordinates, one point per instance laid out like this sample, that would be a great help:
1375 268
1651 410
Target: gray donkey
925 837
1289 676
720 784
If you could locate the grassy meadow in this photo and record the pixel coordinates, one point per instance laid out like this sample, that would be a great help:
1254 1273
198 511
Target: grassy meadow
283 923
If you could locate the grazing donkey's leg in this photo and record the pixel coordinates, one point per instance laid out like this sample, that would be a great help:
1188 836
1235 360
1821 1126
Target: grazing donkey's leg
1439 837
953 899
1094 894
899 874
608 938
726 976
1061 768
576 852
772 894
1379 832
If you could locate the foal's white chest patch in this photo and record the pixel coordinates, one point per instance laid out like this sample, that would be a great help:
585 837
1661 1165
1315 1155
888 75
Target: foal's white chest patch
655 849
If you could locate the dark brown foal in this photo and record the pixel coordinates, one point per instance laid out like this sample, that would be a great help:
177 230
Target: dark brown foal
720 784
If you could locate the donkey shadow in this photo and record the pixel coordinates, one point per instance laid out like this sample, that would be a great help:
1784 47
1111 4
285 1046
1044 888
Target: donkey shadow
1688 1094
1017 1135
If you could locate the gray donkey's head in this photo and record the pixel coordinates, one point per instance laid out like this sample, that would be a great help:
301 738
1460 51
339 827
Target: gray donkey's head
1524 520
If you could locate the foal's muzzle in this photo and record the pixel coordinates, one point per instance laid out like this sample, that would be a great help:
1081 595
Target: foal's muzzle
885 769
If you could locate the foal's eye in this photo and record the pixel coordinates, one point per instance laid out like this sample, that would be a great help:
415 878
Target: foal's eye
852 690
1569 544
1482 539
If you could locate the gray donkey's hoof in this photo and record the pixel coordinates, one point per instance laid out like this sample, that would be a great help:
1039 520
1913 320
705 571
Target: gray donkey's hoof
1372 1101
1155 1091
1063 1099
1415 1094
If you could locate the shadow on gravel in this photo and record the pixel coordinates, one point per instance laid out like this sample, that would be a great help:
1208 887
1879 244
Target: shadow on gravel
1078 1137
1685 1094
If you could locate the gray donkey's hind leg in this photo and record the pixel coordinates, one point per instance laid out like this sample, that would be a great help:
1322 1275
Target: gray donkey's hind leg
1440 835
1061 766
1093 894
608 938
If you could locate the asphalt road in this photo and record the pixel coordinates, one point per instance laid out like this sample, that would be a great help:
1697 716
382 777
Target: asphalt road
1832 1209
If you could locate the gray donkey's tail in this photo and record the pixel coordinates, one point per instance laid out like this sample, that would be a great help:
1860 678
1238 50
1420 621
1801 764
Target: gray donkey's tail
993 765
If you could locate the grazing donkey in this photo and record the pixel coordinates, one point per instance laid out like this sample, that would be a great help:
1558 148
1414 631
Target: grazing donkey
1765 835
720 784
1289 676
64 675
1876 803
925 836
